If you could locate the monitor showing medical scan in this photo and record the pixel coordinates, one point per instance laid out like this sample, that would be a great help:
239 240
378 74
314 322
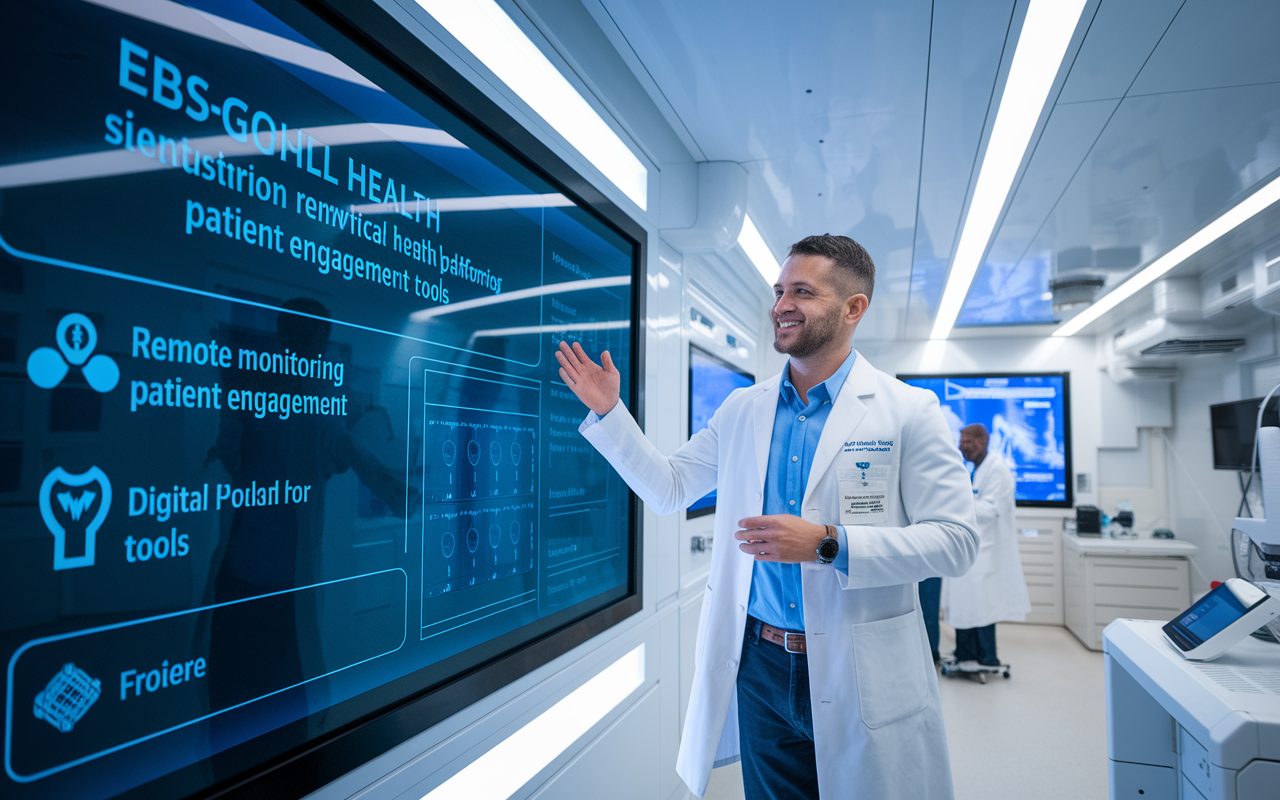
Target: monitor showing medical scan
1028 417
287 473
711 381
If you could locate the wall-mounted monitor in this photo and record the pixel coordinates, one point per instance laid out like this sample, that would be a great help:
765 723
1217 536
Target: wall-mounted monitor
711 380
1234 427
290 476
1028 416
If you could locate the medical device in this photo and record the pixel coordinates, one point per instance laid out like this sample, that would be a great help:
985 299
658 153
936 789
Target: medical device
1220 619
1264 533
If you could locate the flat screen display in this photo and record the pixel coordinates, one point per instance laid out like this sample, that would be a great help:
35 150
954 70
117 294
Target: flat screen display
1029 419
1234 427
283 450
1211 616
711 380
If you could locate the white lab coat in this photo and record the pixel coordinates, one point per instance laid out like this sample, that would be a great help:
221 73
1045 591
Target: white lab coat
994 589
877 713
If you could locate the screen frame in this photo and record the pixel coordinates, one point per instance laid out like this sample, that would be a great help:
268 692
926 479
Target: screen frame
707 354
1069 502
369 39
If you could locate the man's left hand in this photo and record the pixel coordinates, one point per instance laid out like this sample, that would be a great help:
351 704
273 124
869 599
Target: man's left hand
783 538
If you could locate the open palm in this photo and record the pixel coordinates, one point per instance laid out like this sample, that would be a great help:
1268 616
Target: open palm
596 385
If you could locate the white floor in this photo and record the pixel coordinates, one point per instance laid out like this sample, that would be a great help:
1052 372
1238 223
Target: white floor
1040 734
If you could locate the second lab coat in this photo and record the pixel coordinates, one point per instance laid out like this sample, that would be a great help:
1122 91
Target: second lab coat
994 589
877 716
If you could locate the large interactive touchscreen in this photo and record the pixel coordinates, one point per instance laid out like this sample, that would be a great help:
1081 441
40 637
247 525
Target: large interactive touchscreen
282 447
1028 417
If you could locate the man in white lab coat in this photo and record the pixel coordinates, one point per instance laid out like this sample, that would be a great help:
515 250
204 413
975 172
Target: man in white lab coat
994 589
842 488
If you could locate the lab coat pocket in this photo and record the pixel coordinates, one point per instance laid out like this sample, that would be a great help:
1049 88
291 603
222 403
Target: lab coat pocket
890 662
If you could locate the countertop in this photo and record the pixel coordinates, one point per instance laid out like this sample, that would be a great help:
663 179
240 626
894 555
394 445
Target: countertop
1142 546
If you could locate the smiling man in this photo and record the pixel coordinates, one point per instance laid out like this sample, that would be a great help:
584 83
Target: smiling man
843 489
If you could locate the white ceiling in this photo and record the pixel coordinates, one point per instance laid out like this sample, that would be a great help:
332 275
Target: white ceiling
868 118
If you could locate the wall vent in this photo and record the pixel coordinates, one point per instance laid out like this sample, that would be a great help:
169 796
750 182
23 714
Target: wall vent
1191 347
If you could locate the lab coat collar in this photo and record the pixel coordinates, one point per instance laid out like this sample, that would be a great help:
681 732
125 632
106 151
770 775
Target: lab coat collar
847 412
763 410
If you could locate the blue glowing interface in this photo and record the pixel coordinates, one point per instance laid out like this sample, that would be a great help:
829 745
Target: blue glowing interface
710 382
1027 417
282 442
1212 615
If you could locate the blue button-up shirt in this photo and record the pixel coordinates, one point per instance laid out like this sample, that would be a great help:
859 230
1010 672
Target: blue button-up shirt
797 426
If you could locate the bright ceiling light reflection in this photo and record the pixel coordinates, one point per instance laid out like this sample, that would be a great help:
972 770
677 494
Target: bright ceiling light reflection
496 202
217 29
1046 33
486 30
1242 212
106 163
513 762
570 327
427 314
757 251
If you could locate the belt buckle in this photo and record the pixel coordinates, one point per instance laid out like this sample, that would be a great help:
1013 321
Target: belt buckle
786 642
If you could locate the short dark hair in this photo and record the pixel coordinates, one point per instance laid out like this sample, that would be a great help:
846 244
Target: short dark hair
852 261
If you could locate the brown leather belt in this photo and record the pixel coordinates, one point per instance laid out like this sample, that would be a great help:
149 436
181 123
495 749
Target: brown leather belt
791 641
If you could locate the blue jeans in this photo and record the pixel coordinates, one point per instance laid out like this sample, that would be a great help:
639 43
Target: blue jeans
977 644
930 597
775 721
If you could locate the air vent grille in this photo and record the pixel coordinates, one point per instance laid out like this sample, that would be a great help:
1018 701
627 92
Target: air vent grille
1178 347
1234 679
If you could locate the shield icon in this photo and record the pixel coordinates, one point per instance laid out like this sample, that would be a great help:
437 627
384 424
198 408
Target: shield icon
74 504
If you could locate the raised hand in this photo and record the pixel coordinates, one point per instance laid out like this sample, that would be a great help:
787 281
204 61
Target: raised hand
595 385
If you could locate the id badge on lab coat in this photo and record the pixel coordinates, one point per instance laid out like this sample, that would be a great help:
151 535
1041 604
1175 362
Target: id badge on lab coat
864 495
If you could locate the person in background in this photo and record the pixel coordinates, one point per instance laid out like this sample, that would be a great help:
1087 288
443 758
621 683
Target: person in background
993 590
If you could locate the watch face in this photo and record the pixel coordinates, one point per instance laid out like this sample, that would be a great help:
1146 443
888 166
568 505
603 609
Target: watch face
828 548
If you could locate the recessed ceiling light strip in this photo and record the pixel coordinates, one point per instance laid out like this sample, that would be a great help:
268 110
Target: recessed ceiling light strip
758 253
484 28
1236 216
1046 33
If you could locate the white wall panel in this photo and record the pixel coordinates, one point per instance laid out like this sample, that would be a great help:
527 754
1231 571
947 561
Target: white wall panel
623 761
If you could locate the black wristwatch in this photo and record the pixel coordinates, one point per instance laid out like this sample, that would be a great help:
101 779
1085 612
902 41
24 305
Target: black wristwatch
829 547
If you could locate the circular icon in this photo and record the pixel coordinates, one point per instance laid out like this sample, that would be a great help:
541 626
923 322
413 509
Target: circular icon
46 367
473 452
495 536
102 373
515 453
515 532
449 451
447 545
76 338
495 453
473 539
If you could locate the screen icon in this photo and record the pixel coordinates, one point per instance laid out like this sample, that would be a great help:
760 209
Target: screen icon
67 697
76 338
75 495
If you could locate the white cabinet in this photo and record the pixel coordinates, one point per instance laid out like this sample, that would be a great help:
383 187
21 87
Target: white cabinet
1040 547
1109 579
